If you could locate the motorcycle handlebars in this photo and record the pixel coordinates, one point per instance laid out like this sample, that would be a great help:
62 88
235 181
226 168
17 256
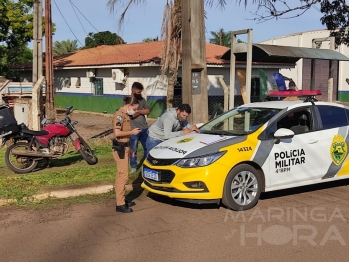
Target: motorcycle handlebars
69 110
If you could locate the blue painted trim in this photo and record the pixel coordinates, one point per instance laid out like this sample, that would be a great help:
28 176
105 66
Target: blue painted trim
343 91
73 94
113 96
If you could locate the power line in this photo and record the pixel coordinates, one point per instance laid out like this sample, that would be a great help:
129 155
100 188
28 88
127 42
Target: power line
72 5
83 16
70 27
114 46
95 28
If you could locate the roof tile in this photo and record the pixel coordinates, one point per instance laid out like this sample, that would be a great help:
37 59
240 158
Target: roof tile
135 53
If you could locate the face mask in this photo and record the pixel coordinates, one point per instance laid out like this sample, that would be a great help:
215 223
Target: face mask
138 96
130 112
181 119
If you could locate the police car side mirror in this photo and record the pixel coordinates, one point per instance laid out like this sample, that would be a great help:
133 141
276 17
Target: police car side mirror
282 133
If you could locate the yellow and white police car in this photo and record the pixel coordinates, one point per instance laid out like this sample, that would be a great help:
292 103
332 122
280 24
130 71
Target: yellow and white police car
253 148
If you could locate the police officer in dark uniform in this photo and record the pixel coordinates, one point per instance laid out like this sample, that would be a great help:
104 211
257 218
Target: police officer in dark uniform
121 144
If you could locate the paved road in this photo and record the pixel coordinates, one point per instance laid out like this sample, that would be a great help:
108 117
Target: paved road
294 225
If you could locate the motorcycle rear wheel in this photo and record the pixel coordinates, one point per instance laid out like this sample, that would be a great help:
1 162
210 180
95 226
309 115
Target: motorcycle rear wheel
86 152
19 164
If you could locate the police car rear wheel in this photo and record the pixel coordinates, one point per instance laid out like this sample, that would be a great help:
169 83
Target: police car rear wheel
242 188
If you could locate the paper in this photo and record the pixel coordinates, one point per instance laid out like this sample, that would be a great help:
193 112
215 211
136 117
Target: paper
213 139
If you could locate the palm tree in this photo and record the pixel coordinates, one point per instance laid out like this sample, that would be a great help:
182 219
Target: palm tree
221 38
64 47
171 33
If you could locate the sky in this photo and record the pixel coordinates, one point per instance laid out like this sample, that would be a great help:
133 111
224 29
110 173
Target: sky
74 19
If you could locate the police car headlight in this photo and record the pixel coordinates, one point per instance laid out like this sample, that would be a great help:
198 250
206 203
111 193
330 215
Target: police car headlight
200 161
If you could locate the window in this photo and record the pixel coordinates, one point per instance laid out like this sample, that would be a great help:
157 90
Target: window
239 121
67 82
78 82
332 117
255 84
299 121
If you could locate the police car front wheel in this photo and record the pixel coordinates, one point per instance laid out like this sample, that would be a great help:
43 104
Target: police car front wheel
242 188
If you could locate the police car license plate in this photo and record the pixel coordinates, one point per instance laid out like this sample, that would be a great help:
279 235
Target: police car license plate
151 174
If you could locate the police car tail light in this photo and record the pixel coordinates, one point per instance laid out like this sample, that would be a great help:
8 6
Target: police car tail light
294 93
200 161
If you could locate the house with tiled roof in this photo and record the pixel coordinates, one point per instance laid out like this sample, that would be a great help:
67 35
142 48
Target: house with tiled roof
96 79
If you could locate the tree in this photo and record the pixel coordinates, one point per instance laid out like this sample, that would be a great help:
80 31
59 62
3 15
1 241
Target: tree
221 38
149 39
16 30
103 38
64 47
335 14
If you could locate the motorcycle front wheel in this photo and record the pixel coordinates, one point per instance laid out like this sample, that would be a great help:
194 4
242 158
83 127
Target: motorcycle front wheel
19 164
86 152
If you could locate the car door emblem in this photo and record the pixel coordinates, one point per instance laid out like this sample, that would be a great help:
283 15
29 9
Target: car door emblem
338 150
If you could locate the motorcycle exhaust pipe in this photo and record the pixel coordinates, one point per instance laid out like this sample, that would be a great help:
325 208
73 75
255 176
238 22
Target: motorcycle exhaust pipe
29 153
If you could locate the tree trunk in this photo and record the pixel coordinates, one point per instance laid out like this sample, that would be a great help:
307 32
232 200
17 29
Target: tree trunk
171 52
172 78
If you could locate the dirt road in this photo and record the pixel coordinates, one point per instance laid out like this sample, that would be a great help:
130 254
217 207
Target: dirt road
94 125
293 225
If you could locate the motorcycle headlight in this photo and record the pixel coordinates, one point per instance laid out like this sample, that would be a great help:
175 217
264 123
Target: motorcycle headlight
200 161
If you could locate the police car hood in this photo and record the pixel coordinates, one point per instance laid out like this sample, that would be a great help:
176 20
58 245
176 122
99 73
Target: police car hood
193 145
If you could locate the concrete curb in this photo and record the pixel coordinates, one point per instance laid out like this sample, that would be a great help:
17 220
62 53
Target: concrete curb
65 193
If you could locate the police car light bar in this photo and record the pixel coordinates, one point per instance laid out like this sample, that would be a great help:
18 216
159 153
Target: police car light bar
294 93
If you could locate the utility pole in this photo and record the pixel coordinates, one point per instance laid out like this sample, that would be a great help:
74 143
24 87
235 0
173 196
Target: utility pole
35 117
37 42
50 109
194 69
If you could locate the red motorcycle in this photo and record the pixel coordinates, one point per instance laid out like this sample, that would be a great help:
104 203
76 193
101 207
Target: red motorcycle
29 146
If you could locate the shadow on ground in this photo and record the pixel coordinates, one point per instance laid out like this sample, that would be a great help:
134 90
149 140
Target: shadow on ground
304 189
264 196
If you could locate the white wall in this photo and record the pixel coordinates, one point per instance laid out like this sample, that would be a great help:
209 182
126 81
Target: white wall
61 75
149 77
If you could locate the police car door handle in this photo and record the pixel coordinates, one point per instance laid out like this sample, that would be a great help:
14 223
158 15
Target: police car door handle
313 141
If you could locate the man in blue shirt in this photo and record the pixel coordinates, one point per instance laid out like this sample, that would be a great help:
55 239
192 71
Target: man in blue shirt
138 120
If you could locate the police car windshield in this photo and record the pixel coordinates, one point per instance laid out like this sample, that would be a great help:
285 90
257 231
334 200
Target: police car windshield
239 121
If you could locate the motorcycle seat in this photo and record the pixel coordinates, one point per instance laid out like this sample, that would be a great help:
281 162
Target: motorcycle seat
35 133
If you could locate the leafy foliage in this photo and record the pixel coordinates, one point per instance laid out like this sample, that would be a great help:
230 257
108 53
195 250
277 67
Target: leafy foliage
16 22
221 38
16 30
103 38
336 19
64 47
149 39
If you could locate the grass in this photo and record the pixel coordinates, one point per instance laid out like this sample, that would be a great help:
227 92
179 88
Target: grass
69 171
